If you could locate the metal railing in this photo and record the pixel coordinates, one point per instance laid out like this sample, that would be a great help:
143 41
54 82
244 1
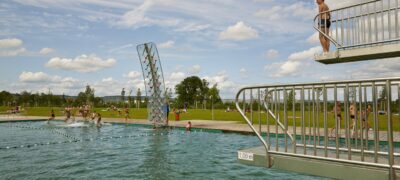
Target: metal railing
343 121
360 25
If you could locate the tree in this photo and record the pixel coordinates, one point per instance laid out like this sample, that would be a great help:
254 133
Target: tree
191 89
214 94
5 98
123 95
290 97
138 97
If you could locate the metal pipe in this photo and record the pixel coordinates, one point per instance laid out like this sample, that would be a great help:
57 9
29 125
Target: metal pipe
303 136
285 116
375 109
309 116
326 138
392 174
347 123
294 120
259 109
276 120
314 123
268 124
251 106
337 123
361 123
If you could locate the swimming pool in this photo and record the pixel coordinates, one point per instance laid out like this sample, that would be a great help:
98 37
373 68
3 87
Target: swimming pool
34 150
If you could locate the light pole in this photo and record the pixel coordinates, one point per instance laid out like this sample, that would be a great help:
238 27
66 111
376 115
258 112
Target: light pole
212 107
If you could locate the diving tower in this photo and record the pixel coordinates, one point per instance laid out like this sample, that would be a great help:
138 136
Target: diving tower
365 31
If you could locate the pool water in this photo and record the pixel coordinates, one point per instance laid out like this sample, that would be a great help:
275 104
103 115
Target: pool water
36 150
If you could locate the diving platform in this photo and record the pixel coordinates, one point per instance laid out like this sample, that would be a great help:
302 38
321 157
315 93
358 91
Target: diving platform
360 54
366 31
328 167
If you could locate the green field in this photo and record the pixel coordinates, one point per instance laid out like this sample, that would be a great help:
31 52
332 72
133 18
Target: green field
221 115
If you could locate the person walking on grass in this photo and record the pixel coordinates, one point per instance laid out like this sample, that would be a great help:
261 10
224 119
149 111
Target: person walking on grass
324 23
353 111
126 115
337 110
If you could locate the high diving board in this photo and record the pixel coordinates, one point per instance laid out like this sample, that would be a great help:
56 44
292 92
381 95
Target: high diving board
360 54
364 31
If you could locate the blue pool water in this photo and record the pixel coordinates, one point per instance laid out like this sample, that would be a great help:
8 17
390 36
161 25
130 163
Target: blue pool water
36 150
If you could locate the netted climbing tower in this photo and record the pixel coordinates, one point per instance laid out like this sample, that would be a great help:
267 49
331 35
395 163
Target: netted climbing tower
154 82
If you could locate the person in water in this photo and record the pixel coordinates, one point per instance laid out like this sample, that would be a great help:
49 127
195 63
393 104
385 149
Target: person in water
324 24
52 116
93 117
68 114
98 122
189 126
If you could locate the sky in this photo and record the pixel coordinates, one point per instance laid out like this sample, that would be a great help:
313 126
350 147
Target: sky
62 45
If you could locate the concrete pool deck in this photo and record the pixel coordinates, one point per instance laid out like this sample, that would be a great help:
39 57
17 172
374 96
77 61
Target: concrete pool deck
226 126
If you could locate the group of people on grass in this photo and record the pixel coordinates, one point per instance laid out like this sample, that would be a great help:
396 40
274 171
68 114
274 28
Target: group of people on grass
337 110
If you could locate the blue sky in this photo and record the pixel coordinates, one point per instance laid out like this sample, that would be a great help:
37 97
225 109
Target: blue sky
63 45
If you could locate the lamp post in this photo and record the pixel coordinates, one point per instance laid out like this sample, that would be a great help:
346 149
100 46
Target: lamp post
212 107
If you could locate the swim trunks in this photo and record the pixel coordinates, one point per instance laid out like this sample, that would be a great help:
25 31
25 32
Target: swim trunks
325 23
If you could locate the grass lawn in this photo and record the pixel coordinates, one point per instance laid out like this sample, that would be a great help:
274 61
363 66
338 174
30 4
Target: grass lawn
199 114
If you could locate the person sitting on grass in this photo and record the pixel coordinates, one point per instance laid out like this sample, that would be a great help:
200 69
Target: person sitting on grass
189 126
52 116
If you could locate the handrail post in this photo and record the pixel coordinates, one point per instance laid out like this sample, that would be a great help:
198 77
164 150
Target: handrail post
390 129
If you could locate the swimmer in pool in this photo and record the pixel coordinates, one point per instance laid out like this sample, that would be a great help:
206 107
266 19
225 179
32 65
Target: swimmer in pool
68 114
93 117
52 116
189 126
98 122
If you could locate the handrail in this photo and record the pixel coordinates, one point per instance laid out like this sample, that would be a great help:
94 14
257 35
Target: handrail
265 144
313 99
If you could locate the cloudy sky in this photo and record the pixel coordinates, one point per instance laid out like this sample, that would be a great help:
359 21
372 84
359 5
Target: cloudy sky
62 45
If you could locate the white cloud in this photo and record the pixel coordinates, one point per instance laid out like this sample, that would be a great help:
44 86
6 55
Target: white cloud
83 63
45 51
137 17
177 76
378 68
166 45
297 11
313 39
272 54
307 54
11 52
239 32
37 77
133 75
10 43
295 63
195 69
222 79
11 47
243 73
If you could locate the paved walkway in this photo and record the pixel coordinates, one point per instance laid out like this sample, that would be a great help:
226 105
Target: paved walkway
228 126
